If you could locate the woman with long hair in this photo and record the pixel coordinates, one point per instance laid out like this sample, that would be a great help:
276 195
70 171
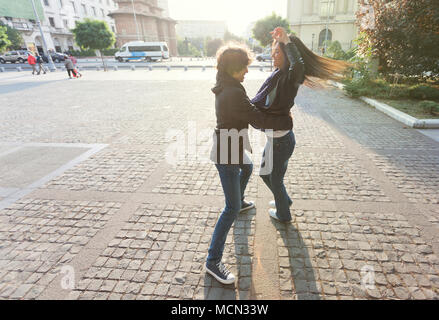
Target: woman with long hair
295 65
234 113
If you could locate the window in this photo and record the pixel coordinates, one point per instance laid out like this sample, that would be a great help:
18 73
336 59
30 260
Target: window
52 22
94 11
46 3
327 8
165 48
103 13
84 9
322 37
66 24
60 3
145 48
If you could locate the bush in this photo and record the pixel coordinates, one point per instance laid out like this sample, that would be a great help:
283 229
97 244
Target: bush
429 106
109 52
375 88
424 92
84 53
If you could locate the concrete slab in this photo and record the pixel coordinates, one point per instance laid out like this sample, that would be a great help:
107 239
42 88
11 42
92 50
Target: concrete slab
432 133
29 164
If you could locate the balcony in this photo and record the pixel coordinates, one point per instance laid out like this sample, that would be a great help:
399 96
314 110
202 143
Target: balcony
62 31
23 26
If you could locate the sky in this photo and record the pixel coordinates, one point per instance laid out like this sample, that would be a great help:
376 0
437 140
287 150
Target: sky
238 14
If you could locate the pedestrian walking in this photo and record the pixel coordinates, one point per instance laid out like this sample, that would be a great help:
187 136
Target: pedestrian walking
234 113
40 63
294 64
32 62
70 67
74 61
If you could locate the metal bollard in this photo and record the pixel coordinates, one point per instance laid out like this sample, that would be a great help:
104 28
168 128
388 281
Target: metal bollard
168 68
98 69
19 69
2 69
261 68
150 68
115 68
133 68
185 68
204 68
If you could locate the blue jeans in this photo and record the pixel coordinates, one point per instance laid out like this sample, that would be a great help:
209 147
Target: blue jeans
234 179
283 148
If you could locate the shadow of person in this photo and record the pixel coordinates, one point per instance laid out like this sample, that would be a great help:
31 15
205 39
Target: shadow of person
300 266
239 262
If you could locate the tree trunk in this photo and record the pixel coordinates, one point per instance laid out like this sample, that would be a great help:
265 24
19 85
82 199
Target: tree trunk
103 61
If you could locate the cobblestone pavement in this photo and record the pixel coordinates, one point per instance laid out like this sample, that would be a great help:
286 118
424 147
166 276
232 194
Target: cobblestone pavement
125 223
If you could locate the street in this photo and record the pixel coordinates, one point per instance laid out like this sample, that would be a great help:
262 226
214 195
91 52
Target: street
92 208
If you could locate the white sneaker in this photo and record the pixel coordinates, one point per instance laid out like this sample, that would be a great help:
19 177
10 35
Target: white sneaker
220 272
273 214
272 204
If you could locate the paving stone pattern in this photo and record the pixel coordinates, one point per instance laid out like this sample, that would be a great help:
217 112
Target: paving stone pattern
138 227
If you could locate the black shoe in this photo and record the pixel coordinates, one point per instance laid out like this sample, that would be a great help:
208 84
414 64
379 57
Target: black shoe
245 206
220 273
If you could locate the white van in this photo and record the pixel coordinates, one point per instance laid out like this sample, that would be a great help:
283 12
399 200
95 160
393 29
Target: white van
149 51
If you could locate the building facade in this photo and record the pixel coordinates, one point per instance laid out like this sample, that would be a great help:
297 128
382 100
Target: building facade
309 18
201 29
153 22
57 17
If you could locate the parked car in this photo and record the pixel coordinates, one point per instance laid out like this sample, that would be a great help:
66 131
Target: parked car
56 57
264 56
19 56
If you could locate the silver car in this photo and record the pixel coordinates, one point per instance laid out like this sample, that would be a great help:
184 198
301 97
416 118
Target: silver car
19 56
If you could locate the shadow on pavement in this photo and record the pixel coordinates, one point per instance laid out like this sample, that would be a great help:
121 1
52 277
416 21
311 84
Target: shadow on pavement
240 264
302 272
14 87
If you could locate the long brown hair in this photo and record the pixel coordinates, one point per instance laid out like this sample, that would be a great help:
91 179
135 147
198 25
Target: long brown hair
317 68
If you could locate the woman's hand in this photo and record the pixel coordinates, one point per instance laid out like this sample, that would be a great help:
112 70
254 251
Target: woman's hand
280 35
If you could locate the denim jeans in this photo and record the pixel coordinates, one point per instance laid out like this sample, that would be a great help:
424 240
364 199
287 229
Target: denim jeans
234 179
282 149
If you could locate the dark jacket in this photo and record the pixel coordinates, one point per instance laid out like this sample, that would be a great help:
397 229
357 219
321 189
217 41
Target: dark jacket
288 83
235 111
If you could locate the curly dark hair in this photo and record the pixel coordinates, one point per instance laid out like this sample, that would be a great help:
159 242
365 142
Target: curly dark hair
233 58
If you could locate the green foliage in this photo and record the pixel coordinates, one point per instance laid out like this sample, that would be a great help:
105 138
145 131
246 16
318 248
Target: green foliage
424 92
263 27
14 37
335 51
110 52
187 48
213 46
404 35
84 53
93 34
380 88
4 41
230 37
429 107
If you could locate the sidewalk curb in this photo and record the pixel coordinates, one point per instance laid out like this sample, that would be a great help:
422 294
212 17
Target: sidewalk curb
396 114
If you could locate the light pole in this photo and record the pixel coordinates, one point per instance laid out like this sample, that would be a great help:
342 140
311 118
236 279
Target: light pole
49 57
135 20
312 43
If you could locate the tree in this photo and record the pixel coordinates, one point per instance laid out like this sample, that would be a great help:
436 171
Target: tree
94 34
228 36
14 36
187 48
403 34
213 46
263 27
4 41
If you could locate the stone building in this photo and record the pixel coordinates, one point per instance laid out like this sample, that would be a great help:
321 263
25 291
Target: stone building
57 17
308 19
153 22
